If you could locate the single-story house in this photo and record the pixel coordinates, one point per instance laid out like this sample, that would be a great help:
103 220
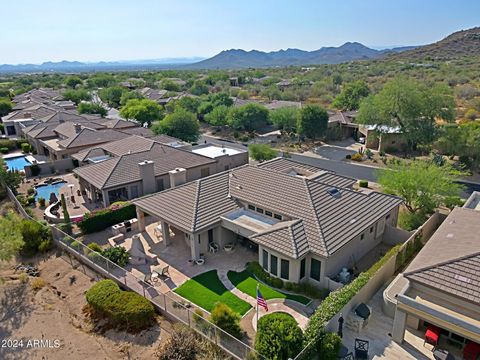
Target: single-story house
131 175
305 223
226 158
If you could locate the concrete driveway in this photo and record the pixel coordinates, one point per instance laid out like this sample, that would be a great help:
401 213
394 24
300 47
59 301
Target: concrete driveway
332 152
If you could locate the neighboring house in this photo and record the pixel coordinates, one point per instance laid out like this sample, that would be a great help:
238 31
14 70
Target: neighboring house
129 145
278 104
441 286
131 175
382 138
153 94
341 125
227 158
305 223
284 84
75 137
14 121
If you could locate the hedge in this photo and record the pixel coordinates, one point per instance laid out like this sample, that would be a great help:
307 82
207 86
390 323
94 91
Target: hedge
102 219
125 309
337 299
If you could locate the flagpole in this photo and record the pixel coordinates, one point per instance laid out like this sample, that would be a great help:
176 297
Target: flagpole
257 306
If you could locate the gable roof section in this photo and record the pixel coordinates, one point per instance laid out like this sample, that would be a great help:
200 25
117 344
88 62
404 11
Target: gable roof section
450 260
287 237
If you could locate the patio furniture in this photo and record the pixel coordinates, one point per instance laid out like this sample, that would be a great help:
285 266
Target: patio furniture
118 229
200 261
349 356
432 335
361 349
145 278
228 247
471 351
213 247
162 272
440 354
116 240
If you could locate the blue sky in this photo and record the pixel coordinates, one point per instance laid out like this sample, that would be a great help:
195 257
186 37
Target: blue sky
34 31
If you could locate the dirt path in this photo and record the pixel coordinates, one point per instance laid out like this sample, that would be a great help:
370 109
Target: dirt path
54 314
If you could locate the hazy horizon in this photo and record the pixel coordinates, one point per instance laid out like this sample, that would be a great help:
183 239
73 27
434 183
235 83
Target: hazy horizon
93 31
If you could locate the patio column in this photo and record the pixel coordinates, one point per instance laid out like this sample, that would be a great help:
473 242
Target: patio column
141 219
165 233
195 246
399 324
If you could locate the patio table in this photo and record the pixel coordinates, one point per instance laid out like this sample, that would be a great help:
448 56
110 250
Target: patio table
440 354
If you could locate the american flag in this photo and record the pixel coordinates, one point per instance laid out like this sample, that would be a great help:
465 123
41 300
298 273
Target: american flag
260 300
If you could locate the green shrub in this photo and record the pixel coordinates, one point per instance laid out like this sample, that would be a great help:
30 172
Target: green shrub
410 221
182 345
357 157
363 183
125 309
95 257
330 346
102 219
117 254
452 201
95 247
4 150
9 144
31 199
227 319
30 191
76 245
41 202
26 147
45 245
68 240
22 200
278 336
33 235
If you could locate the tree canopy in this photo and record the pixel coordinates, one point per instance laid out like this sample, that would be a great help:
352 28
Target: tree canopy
312 121
111 95
10 178
181 124
77 95
422 184
285 118
351 95
261 152
278 336
218 116
248 117
91 108
73 81
5 107
142 110
412 107
462 140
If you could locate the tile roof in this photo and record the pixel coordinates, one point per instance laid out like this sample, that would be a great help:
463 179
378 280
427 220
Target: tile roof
36 112
140 131
90 137
67 129
295 168
124 169
327 222
451 269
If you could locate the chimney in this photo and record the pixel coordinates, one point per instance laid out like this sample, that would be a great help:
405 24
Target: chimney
61 120
148 176
178 177
77 128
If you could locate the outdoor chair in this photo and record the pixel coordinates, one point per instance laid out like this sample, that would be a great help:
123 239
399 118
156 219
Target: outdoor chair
213 247
361 349
349 356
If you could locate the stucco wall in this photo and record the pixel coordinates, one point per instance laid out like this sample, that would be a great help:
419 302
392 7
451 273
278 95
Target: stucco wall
294 265
46 168
227 162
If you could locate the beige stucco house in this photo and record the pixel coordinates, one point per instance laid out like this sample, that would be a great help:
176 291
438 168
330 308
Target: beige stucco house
441 286
304 223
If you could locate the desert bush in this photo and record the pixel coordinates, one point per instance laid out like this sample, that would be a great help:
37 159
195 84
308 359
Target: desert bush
227 319
35 237
41 202
45 245
37 283
357 157
95 247
278 336
182 345
25 147
31 199
125 309
30 191
76 245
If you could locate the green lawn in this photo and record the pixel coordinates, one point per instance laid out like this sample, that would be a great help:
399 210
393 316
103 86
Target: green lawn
246 283
206 289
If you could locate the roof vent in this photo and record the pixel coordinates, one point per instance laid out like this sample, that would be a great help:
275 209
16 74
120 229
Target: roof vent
334 192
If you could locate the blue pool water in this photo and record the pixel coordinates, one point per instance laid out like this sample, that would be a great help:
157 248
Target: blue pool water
44 191
16 163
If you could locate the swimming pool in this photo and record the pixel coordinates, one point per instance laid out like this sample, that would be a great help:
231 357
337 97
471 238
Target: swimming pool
17 163
44 191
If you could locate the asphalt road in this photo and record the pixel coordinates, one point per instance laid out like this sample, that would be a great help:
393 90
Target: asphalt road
360 172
